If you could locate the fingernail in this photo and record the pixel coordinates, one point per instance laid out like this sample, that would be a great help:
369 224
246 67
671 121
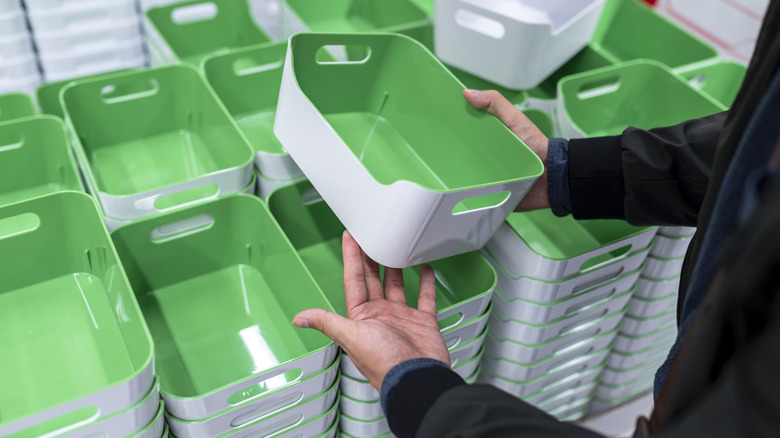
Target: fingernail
301 323
470 91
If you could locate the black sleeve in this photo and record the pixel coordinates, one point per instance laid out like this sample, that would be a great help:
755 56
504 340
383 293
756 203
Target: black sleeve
655 177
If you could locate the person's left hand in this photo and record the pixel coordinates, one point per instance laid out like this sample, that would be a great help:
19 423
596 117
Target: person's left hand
380 330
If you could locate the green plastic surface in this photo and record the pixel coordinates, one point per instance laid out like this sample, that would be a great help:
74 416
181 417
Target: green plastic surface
541 119
721 80
562 238
15 106
219 285
69 323
35 159
143 130
247 81
356 15
587 59
315 232
608 100
48 94
205 27
402 114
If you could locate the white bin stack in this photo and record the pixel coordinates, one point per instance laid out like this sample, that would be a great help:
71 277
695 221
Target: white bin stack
650 325
18 68
83 37
563 288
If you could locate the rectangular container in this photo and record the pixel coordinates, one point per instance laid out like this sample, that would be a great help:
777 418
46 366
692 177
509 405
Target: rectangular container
425 192
35 159
637 93
721 80
548 392
669 247
649 289
619 361
363 429
62 65
80 15
633 326
89 40
125 422
662 269
540 245
646 308
65 300
630 344
188 31
247 82
677 231
16 106
219 284
145 137
486 37
15 46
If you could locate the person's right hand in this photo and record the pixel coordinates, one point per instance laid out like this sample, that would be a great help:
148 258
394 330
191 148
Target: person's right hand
517 122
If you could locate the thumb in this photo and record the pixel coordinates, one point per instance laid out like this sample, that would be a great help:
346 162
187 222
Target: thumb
330 324
496 104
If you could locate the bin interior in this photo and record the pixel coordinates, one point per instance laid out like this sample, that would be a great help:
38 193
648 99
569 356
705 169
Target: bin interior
65 307
195 29
356 15
48 94
16 105
541 119
402 114
35 159
720 80
315 232
637 93
148 129
219 285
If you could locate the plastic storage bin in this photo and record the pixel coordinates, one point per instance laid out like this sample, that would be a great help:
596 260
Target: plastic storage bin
634 326
83 40
363 429
66 301
644 308
227 265
188 31
677 231
408 170
631 344
648 288
669 247
636 93
15 106
35 159
152 140
662 269
72 16
267 186
59 66
720 80
619 360
488 38
48 94
247 82
549 391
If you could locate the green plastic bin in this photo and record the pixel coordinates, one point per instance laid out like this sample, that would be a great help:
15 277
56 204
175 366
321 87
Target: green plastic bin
587 59
219 285
75 345
643 93
346 16
721 80
48 94
464 283
15 106
188 31
35 159
541 119
145 137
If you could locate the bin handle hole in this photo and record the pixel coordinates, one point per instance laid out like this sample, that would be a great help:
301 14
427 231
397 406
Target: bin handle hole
267 409
480 24
598 281
350 54
582 306
194 13
114 93
179 229
9 146
272 382
18 225
247 66
577 326
481 203
601 260
310 196
590 90
452 342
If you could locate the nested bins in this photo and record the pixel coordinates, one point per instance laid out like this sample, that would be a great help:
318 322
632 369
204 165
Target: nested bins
219 284
35 159
392 134
152 140
721 80
67 309
15 106
188 31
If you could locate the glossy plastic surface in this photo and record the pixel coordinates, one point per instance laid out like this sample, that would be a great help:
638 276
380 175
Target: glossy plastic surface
641 326
721 80
15 106
669 247
48 94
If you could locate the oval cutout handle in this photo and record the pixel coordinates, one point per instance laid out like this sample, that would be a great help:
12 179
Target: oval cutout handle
341 54
595 300
481 203
450 321
602 260
598 87
267 409
598 281
18 225
194 13
272 381
182 228
129 90
247 66
480 24
452 342
580 325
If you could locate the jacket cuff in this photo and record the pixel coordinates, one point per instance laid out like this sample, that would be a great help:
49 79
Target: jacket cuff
558 176
410 389
596 178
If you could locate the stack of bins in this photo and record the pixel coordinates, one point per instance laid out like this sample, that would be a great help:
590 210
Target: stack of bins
78 357
563 288
188 31
464 287
650 325
219 284
151 141
83 37
15 106
18 67
258 69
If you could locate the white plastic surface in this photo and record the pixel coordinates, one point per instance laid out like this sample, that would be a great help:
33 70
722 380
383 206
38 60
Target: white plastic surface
359 390
643 308
278 167
617 377
669 247
12 23
265 186
620 361
124 423
489 38
258 410
519 260
508 329
398 225
13 70
25 85
89 40
156 428
606 393
529 354
565 384
566 400
216 401
15 47
81 15
650 289
466 352
631 344
65 65
642 326
497 365
573 412
69 5
362 411
677 231
662 269
539 314
363 429
548 292
10 6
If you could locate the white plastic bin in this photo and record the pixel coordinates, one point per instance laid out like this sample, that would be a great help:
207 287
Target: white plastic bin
670 247
89 40
641 326
646 308
81 15
64 65
662 269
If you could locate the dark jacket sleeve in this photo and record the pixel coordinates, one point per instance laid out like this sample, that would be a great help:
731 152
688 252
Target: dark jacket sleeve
655 177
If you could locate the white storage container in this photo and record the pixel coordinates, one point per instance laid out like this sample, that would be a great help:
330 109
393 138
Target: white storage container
631 344
646 308
89 40
606 392
66 66
15 47
617 377
126 422
669 247
568 398
359 410
677 231
79 15
662 269
620 361
12 23
297 422
156 428
489 38
641 326
551 391
363 429
649 288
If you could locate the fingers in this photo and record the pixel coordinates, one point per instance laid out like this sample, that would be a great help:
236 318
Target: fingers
497 105
427 300
394 285
330 324
373 282
355 289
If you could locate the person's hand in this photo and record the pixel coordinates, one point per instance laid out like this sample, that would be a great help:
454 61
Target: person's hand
380 330
517 122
